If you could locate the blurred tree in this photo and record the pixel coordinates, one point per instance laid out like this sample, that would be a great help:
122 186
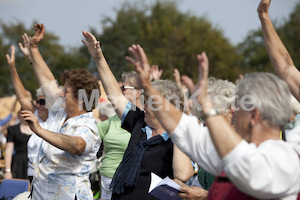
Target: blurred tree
170 38
54 54
253 51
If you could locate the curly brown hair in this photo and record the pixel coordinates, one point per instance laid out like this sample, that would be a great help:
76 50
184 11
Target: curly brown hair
81 79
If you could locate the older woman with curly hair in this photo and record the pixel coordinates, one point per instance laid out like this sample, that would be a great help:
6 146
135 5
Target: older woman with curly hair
71 141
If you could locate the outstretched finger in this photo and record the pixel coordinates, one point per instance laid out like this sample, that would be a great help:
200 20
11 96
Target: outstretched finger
13 49
85 42
188 82
26 38
203 67
142 55
7 57
134 52
21 46
130 60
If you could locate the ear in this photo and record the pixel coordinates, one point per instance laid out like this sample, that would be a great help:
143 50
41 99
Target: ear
255 117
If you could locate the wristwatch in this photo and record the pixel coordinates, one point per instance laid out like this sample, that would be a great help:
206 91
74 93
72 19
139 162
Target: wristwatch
210 113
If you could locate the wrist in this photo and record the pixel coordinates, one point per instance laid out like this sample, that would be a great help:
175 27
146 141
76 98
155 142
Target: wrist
263 16
33 45
212 112
7 170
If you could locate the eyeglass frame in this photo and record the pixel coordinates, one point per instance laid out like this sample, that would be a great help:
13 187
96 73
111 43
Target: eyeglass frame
41 100
125 87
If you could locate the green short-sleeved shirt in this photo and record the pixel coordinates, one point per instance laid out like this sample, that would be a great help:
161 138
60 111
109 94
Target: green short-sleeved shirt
115 141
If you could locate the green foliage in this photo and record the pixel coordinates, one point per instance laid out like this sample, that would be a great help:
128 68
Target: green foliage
170 38
255 56
53 53
290 33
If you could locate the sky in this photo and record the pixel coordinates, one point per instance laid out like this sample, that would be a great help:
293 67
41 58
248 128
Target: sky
67 18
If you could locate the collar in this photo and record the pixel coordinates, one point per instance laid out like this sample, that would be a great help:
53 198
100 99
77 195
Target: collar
148 131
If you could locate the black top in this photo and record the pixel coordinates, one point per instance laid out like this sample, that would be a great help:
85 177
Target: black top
156 159
19 139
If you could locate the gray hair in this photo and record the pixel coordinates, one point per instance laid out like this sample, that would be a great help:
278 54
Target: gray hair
271 97
39 92
222 95
131 78
171 91
106 109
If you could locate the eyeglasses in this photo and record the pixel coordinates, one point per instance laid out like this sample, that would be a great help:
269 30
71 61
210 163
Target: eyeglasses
42 102
124 87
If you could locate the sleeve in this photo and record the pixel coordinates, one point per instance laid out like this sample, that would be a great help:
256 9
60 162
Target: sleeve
268 171
87 135
10 134
103 127
194 140
51 92
133 115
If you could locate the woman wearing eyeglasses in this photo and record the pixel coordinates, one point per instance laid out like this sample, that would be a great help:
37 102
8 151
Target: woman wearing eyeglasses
149 148
70 143
115 139
39 109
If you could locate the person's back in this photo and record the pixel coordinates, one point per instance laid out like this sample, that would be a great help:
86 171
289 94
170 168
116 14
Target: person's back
115 140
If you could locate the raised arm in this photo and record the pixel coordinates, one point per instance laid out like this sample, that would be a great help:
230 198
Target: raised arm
20 91
279 56
169 118
40 68
107 78
225 139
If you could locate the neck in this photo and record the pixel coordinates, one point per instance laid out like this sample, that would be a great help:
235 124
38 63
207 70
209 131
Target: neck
262 132
75 113
157 131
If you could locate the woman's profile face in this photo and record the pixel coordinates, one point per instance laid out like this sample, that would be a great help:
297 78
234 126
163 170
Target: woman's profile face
71 101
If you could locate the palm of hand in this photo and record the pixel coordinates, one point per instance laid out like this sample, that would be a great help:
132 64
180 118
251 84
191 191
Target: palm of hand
94 48
26 51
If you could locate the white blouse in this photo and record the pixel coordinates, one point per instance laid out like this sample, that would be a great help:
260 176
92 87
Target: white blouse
271 170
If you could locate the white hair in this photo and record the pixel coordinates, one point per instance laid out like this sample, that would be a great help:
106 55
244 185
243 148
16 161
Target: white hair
39 92
106 109
271 96
222 95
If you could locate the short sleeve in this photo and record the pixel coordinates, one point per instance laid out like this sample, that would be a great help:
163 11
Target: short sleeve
131 118
87 135
10 134
103 127
51 92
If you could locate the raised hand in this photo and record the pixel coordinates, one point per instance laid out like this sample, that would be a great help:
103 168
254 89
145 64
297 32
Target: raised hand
155 73
263 7
25 49
38 36
93 45
201 87
141 65
32 121
11 59
176 75
188 82
202 84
